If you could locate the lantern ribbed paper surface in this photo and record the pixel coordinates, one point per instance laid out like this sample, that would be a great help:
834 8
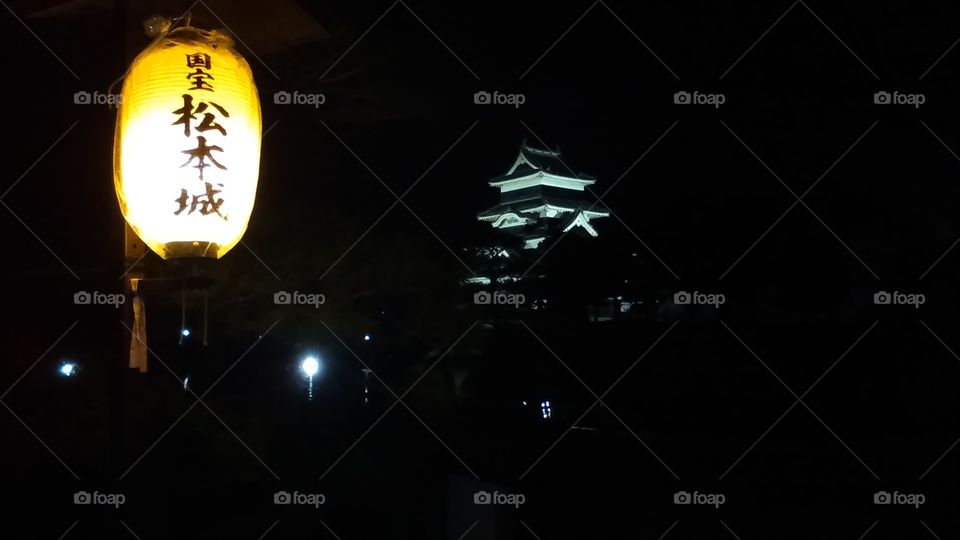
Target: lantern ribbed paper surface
187 147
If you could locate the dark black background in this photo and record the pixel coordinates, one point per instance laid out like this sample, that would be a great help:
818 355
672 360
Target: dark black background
882 216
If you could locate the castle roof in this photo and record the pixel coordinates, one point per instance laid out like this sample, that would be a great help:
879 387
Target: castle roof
534 162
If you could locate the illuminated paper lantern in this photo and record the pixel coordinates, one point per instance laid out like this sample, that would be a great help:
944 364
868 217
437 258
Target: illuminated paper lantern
187 145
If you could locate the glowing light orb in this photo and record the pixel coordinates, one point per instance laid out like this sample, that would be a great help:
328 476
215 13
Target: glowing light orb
310 366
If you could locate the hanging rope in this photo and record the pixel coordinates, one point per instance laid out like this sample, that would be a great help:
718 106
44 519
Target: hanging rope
138 340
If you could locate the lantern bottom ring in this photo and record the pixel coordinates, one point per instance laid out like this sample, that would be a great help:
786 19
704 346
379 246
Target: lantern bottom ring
177 250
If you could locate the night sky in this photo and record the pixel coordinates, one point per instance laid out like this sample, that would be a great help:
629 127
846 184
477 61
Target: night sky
799 198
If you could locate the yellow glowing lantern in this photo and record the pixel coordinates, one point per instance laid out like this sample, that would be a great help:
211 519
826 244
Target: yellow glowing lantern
187 147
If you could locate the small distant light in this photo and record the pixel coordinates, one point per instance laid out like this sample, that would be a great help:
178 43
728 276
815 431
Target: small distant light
367 337
545 410
68 369
310 366
185 332
524 403
186 382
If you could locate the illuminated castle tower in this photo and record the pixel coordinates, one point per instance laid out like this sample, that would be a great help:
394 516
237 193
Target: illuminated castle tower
540 197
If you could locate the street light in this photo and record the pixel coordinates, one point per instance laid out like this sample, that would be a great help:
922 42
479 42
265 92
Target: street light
366 385
310 366
67 369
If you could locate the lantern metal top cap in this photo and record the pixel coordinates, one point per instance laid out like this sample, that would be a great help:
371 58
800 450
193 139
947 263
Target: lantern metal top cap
214 38
160 27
